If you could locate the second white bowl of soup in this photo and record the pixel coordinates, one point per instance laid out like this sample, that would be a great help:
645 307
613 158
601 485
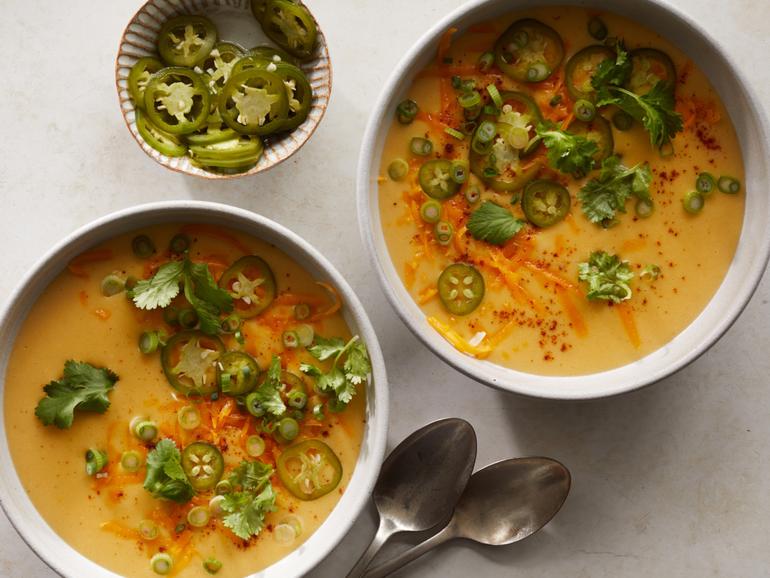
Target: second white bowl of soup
188 387
562 201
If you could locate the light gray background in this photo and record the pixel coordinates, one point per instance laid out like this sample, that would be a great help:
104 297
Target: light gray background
671 481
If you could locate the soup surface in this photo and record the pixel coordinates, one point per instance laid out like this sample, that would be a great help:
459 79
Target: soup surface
258 472
561 191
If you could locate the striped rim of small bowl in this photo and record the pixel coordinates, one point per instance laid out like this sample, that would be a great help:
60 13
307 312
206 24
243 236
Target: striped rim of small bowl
139 40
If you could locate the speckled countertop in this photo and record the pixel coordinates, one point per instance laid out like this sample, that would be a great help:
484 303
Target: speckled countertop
670 481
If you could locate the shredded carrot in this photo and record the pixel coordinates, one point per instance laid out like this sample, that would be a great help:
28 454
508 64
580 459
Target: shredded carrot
213 231
432 121
427 294
629 323
102 314
567 121
76 266
549 275
120 530
575 318
457 341
336 303
501 334
410 272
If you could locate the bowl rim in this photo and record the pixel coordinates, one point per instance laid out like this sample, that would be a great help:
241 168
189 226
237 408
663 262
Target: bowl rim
548 387
15 310
322 46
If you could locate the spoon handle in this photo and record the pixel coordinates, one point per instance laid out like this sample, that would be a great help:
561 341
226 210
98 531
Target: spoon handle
385 531
446 534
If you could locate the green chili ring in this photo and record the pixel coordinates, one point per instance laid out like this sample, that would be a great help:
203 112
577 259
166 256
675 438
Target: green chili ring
177 100
254 101
186 40
187 368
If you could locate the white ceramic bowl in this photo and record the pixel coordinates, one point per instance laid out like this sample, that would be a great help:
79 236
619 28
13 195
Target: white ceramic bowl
742 277
23 515
235 23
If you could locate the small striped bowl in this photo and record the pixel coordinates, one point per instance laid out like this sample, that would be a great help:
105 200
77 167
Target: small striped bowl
235 23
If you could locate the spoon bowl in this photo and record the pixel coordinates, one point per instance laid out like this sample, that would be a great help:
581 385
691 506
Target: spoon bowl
421 481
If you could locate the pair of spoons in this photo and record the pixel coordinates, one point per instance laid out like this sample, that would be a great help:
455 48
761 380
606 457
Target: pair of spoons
426 483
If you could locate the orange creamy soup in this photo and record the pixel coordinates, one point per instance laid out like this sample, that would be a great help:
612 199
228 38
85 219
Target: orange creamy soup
561 191
223 440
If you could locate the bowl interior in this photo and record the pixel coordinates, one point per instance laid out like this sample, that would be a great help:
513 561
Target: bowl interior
235 23
20 510
742 277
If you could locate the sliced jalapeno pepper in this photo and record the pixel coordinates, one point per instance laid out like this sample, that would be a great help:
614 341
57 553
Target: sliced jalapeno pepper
238 373
291 27
177 100
461 288
648 67
203 465
189 361
436 179
499 165
219 64
241 151
529 51
518 102
251 284
273 54
598 130
139 77
254 101
298 92
214 131
309 469
581 68
545 203
186 40
161 141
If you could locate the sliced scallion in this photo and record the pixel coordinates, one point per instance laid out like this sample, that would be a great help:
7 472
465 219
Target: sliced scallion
421 147
290 339
705 183
215 506
693 202
288 428
644 208
223 487
729 185
161 563
454 133
231 323
297 399
148 530
301 311
651 271
198 516
144 429
188 417
472 194
459 171
494 94
538 71
444 231
318 411
143 247
584 110
430 211
306 334
398 169
179 243
255 446
149 341
469 99
131 461
112 284
212 565
486 61
406 111
188 318
254 406
490 110
96 460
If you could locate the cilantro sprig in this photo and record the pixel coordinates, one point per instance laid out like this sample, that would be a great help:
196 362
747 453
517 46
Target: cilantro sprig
493 224
343 377
200 290
568 153
603 197
607 277
82 387
165 479
250 500
268 393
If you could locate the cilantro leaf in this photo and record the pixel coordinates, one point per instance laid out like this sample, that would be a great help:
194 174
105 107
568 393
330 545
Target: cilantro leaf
339 381
251 499
246 511
655 110
607 277
601 198
568 153
82 386
165 478
200 290
493 223
322 349
268 393
611 72
160 289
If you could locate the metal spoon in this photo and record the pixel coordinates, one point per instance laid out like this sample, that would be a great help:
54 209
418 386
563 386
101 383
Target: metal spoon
503 503
421 481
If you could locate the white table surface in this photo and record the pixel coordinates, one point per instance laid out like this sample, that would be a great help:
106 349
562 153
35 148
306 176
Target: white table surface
670 481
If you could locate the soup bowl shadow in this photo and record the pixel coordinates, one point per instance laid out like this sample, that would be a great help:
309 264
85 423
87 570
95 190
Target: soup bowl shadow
743 275
33 529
